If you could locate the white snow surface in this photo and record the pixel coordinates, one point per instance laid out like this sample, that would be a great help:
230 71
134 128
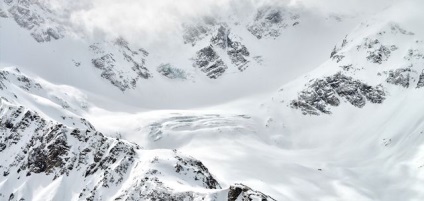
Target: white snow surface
242 126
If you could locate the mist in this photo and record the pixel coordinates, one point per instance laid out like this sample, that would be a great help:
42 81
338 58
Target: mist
154 21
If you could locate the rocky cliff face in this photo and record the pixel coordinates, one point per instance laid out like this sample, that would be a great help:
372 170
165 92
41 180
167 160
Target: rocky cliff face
329 90
223 40
37 150
16 86
361 57
244 193
269 22
34 16
120 64
216 40
208 61
32 146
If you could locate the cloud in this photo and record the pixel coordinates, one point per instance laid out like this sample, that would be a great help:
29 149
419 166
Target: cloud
361 7
152 20
144 19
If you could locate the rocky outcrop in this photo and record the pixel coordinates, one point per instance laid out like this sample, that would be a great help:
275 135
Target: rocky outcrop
208 61
396 29
241 192
269 22
34 16
237 52
211 63
377 48
379 55
414 54
101 166
172 72
45 147
329 91
335 55
120 64
421 80
194 32
12 79
14 76
376 51
400 77
42 146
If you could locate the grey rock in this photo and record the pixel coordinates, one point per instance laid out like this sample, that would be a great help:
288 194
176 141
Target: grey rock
171 72
395 29
328 91
270 21
242 192
400 77
35 17
347 67
235 49
192 33
336 49
134 61
208 61
41 147
379 55
414 54
376 51
338 57
421 80
52 149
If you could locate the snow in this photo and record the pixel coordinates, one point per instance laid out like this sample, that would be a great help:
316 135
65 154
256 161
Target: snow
241 126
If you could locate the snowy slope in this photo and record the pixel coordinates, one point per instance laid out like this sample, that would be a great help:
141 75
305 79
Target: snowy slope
44 160
135 70
294 103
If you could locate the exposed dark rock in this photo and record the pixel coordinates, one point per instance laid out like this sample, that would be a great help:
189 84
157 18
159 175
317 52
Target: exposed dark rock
19 79
221 38
171 72
235 49
269 22
35 17
414 54
334 52
122 66
379 55
11 197
195 32
376 51
421 80
346 67
238 54
338 57
325 92
199 170
395 29
400 77
209 62
336 49
241 192
41 147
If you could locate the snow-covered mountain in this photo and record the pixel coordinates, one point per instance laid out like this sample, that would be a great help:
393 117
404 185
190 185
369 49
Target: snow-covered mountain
279 102
82 164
